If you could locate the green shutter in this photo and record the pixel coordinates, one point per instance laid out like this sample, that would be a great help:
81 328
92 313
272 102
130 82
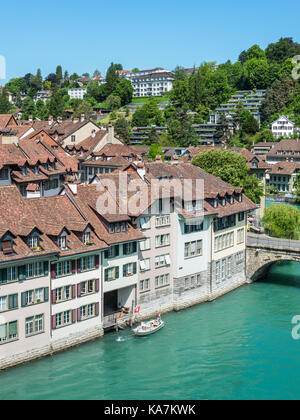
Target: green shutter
106 254
117 249
23 300
22 272
124 270
134 247
46 268
12 301
46 294
134 268
124 250
3 276
117 272
106 275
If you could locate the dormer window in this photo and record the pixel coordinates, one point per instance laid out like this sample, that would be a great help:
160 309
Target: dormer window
34 242
24 171
231 199
223 201
62 242
240 197
36 170
87 237
215 203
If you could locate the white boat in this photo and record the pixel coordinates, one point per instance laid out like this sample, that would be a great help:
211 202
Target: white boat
147 328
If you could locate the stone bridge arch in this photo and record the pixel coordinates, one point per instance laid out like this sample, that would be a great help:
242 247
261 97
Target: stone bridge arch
259 259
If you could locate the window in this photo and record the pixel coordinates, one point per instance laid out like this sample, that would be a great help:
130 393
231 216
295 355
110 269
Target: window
8 303
87 311
145 223
8 332
112 252
193 249
88 287
162 240
34 270
197 227
240 236
111 274
62 242
224 223
224 241
34 242
88 263
34 325
145 285
241 216
130 248
145 244
163 280
86 237
162 260
163 220
73 139
239 258
4 174
63 293
63 268
223 269
145 264
129 269
34 297
11 274
229 266
63 319
218 272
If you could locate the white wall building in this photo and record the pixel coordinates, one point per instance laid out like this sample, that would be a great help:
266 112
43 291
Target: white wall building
283 127
77 93
153 82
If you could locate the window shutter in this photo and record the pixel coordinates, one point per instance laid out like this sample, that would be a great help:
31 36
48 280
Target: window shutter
22 273
78 315
79 266
74 316
12 301
106 255
53 322
97 285
124 270
73 266
124 249
46 294
53 271
23 300
97 309
97 261
134 268
79 290
73 291
117 250
134 247
46 268
106 275
117 272
53 296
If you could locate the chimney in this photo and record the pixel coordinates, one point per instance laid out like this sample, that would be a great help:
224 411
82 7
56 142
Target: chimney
50 120
158 158
93 135
30 119
75 120
59 120
82 117
111 133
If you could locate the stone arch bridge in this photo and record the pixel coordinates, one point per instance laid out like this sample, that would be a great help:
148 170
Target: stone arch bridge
263 251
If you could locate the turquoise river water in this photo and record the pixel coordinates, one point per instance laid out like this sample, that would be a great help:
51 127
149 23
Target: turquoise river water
238 347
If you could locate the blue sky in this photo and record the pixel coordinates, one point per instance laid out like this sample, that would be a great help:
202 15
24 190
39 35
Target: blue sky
85 35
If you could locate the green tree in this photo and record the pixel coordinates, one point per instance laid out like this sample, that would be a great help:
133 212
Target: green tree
84 108
122 129
155 150
283 49
4 103
231 167
59 74
112 102
112 79
56 104
256 73
124 91
282 221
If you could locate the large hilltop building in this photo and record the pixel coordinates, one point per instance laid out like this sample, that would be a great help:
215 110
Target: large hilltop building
154 82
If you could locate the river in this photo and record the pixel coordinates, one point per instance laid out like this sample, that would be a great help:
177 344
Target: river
238 347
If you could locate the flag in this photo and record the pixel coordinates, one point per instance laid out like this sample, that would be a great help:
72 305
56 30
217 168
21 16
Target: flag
137 310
